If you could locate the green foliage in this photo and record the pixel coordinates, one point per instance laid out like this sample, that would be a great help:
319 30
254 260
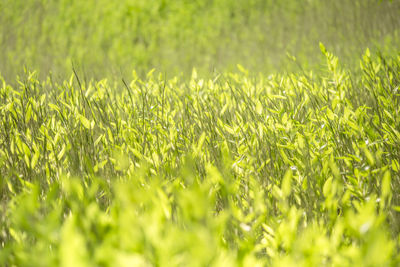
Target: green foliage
238 170
108 38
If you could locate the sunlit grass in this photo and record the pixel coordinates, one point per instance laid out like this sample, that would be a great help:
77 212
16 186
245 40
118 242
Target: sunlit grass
238 170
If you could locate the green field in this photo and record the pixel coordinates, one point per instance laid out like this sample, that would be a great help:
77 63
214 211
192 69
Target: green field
108 39
199 133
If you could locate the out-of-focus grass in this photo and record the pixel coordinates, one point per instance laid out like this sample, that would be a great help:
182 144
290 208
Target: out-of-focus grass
110 38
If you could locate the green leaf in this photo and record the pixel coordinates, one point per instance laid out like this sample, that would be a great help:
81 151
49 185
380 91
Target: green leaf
35 159
73 251
334 168
259 108
322 48
287 182
386 190
369 156
242 69
367 52
26 149
201 142
85 122
395 165
62 152
327 188
330 114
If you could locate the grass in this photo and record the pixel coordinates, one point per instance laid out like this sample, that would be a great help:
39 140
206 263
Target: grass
299 169
109 39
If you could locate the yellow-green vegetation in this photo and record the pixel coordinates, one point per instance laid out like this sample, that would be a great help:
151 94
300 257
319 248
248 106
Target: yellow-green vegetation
237 170
269 153
106 38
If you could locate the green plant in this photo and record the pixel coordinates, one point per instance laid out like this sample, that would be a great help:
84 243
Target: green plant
238 170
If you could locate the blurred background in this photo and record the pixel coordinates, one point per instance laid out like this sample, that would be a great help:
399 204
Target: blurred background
109 39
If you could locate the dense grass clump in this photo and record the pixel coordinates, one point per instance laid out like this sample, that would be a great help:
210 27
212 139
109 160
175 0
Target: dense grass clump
239 170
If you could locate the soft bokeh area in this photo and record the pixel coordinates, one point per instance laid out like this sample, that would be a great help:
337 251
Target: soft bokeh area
111 38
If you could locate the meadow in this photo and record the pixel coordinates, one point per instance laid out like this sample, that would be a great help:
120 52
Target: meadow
109 39
292 170
157 134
